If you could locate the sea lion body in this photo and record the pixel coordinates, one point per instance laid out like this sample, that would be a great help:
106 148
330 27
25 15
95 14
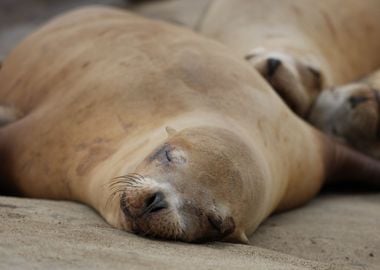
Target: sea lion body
100 89
316 44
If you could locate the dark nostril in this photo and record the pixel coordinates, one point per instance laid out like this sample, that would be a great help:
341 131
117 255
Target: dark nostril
273 64
155 203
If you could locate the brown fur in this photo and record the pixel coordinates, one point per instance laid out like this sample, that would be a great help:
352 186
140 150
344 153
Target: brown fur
352 113
320 43
101 88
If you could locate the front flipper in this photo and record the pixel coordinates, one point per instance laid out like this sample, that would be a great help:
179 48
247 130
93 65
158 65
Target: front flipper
347 165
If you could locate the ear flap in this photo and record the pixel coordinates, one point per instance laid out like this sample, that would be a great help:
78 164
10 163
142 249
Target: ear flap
170 131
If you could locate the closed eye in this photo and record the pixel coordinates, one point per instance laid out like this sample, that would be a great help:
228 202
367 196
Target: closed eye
167 154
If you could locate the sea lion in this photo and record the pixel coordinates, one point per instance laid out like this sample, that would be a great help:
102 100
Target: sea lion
300 46
351 113
165 133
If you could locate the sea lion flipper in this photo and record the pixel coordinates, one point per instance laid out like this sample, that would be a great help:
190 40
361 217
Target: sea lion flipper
346 164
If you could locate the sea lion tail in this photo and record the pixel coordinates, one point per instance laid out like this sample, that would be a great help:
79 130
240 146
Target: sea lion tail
346 164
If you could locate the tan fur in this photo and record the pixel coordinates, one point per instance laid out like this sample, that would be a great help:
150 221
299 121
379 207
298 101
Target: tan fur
338 41
8 115
100 87
352 113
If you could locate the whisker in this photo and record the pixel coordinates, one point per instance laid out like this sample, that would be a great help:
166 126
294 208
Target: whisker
132 180
113 195
112 184
118 184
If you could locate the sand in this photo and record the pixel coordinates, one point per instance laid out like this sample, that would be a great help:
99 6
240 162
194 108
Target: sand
332 232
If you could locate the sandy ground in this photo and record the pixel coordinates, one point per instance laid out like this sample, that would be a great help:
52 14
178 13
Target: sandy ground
332 232
335 231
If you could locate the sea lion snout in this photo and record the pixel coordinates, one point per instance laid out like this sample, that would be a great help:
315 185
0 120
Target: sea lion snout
297 81
150 208
159 210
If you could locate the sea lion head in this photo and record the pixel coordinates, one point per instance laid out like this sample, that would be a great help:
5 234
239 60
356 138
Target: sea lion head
193 187
297 81
349 112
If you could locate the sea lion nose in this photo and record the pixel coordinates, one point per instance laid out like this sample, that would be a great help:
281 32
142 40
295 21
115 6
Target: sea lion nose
273 64
154 203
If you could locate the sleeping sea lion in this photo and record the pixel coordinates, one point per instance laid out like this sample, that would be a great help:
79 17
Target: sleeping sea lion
164 132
